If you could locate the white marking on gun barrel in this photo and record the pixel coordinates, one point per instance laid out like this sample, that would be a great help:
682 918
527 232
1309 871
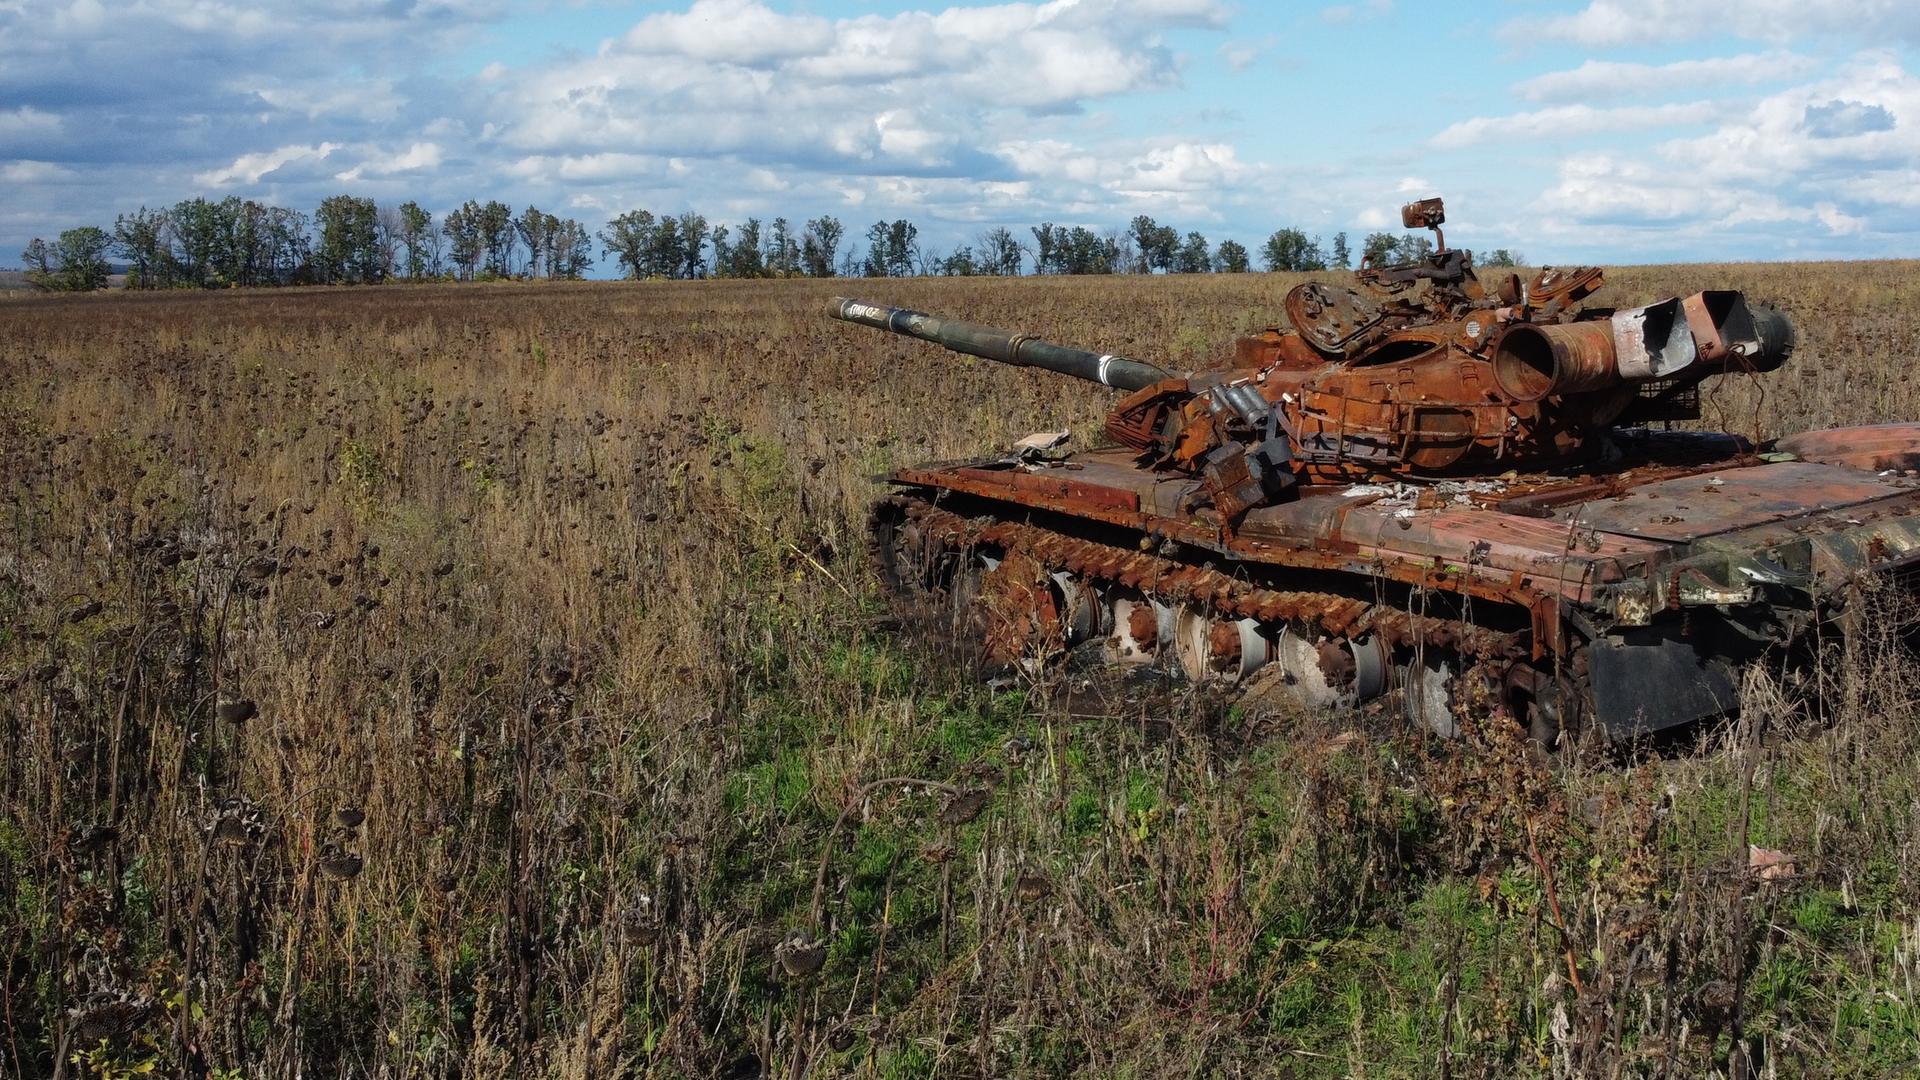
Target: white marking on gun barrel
1105 362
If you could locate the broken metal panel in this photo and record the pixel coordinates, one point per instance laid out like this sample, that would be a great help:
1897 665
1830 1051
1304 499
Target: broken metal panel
1647 680
1653 342
1874 447
1702 505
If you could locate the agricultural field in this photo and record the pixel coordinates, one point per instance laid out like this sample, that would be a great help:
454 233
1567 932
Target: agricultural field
488 681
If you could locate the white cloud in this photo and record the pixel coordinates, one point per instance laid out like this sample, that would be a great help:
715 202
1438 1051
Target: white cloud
1051 158
33 172
905 137
1838 223
1184 168
1610 23
585 168
1600 190
1863 120
27 120
735 32
1571 122
419 157
917 93
1887 187
1346 13
362 99
1240 55
251 168
1600 80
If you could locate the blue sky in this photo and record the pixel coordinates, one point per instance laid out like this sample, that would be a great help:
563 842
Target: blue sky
1607 130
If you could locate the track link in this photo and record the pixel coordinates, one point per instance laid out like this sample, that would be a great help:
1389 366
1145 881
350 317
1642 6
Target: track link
1171 580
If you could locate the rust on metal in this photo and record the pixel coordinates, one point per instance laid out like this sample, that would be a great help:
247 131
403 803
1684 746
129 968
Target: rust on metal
1875 447
1206 588
1421 461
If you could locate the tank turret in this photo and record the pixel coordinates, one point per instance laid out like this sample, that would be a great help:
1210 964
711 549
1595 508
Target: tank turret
1417 372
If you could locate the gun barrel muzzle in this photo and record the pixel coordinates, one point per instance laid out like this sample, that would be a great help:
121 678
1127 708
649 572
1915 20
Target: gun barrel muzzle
1703 334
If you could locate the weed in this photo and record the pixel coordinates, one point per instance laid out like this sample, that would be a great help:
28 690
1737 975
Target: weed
589 649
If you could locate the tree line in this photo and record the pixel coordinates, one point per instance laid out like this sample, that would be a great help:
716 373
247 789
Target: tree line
202 243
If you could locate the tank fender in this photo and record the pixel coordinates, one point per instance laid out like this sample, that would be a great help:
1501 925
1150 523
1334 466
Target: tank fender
1648 679
1875 447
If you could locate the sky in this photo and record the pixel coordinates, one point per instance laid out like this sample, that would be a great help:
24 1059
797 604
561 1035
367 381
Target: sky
1610 131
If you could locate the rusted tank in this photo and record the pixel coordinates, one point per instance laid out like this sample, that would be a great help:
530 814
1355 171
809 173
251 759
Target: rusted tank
1429 488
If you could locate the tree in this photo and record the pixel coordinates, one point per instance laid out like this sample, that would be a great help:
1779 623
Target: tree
1504 257
196 229
1089 253
743 258
875 264
999 252
1061 249
820 245
496 237
1043 247
389 227
349 240
532 229
903 248
959 264
1230 257
243 258
1143 230
286 250
80 259
1158 246
783 251
1415 248
414 225
1342 258
465 242
141 239
665 252
1126 257
38 260
722 250
1194 256
570 250
893 248
434 247
1289 249
629 239
693 244
1379 249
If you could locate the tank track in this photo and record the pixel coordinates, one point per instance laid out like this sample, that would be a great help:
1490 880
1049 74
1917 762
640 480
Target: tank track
1329 621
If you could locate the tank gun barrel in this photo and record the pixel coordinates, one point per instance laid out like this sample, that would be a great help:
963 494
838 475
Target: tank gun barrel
1703 334
999 345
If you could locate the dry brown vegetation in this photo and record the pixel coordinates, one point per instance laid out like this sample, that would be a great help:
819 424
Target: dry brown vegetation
478 681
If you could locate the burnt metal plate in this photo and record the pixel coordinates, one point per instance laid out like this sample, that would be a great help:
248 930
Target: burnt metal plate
1706 504
1650 680
1873 446
1331 317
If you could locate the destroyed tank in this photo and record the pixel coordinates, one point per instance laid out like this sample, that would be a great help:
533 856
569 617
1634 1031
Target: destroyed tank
1456 493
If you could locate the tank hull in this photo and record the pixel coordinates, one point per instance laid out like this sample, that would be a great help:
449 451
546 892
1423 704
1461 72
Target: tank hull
1625 596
